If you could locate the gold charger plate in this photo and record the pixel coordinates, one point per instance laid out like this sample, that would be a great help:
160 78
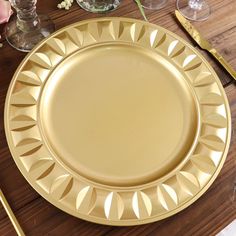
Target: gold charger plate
117 121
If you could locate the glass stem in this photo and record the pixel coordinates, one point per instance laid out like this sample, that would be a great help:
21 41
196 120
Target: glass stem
27 18
196 4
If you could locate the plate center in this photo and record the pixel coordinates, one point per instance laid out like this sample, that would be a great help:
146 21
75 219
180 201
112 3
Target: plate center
118 114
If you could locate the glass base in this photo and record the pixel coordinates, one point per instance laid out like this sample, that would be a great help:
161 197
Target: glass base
98 6
154 4
193 13
26 40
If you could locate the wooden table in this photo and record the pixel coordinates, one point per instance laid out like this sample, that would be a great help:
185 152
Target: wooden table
207 216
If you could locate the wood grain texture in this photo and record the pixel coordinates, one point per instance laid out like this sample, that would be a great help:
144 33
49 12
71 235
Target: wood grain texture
207 216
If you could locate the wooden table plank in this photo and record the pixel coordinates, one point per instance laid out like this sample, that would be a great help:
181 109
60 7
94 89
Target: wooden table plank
213 211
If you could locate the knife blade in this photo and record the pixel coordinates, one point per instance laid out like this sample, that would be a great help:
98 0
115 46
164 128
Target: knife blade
203 43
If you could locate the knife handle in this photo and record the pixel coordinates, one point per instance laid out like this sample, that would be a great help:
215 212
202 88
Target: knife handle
11 215
223 62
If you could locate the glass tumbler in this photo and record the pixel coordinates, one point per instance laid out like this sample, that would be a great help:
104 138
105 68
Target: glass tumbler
98 6
154 4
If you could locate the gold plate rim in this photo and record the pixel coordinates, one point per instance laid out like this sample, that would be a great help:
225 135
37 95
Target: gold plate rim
96 219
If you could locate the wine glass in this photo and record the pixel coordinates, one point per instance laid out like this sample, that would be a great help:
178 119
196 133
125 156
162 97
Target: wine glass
154 4
28 28
197 10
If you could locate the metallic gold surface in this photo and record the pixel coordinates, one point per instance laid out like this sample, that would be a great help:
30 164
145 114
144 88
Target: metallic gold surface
11 215
203 43
117 121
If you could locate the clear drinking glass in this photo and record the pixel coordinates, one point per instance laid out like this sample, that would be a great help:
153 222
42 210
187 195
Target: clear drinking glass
28 28
98 6
197 10
154 4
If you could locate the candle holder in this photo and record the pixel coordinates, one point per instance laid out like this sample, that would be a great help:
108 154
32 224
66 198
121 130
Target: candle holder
27 28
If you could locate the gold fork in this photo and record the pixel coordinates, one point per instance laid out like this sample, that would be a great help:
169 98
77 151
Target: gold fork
11 215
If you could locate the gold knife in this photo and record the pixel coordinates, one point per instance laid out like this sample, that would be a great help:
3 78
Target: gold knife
11 215
203 43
